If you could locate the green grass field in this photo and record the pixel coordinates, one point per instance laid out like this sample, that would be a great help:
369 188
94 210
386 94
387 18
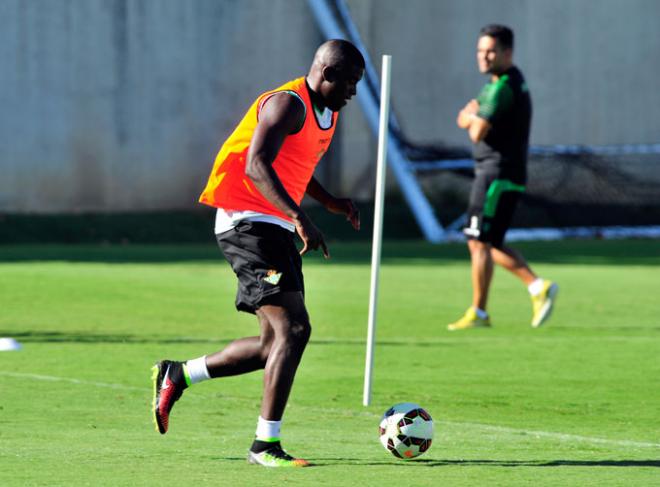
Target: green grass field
574 403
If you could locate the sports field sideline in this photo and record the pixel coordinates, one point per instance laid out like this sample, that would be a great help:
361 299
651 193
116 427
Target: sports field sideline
574 403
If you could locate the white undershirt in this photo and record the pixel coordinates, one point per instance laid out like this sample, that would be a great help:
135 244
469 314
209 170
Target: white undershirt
227 219
324 117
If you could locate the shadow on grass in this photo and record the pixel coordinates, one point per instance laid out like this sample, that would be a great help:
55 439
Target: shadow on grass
81 337
32 336
552 463
578 252
327 462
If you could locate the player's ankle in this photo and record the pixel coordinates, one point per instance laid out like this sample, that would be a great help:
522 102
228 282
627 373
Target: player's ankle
481 313
259 445
195 371
535 287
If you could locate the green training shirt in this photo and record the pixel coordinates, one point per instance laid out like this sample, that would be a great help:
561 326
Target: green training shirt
507 105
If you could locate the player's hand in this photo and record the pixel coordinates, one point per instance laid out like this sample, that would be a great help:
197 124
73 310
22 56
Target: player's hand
311 236
346 207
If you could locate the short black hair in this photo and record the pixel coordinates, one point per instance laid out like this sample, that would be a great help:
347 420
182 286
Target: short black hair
501 33
340 54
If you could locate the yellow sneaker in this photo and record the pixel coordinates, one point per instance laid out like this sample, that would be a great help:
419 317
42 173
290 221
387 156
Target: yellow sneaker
469 320
543 303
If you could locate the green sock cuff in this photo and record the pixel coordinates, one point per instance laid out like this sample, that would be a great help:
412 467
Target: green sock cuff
186 375
268 440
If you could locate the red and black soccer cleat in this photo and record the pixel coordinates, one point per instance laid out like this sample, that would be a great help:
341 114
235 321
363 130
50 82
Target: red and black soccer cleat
169 384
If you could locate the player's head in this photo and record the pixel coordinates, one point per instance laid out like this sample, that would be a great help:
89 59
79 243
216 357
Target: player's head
337 67
495 49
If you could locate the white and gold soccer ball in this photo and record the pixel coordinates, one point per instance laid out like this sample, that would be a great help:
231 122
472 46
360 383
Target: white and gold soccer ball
406 430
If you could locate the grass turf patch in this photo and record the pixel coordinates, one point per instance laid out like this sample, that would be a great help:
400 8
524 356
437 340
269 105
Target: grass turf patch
573 403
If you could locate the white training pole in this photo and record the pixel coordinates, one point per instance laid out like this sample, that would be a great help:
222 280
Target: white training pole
378 223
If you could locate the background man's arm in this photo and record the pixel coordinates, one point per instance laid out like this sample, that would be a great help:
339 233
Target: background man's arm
476 126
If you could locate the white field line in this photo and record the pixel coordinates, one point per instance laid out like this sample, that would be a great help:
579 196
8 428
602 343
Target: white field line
555 436
521 432
476 426
51 378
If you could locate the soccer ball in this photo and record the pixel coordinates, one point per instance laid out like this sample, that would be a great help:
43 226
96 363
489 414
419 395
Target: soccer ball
406 430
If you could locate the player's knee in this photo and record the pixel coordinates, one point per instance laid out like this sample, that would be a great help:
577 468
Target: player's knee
299 332
478 246
291 329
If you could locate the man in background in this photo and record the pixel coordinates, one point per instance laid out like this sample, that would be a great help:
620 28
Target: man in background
498 124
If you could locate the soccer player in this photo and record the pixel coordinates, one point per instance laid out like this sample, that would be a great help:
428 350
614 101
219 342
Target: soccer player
257 183
498 124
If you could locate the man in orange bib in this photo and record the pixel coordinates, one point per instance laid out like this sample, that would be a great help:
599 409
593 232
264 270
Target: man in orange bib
259 178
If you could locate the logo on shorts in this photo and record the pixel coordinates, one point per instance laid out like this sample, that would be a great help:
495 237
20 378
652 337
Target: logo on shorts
273 277
473 229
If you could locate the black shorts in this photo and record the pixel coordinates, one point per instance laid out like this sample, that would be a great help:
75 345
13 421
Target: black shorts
266 261
492 204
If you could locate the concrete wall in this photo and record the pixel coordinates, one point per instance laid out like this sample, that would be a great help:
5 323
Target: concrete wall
122 104
114 105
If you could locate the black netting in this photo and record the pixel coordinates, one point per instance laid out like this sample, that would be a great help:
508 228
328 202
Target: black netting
580 188
586 189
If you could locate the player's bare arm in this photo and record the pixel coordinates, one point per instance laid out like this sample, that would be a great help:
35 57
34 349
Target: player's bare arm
467 113
340 206
280 116
468 119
